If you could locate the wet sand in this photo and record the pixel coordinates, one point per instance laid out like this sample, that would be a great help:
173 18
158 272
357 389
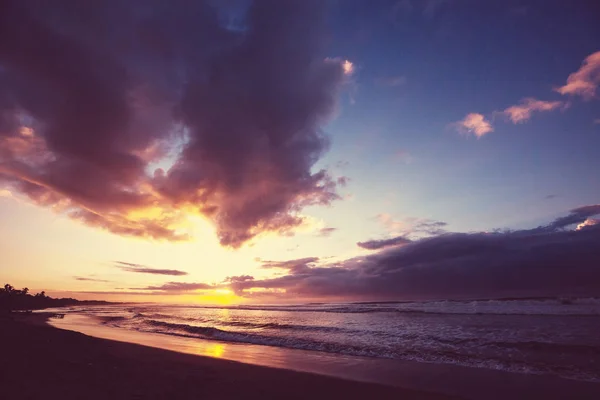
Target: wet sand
42 362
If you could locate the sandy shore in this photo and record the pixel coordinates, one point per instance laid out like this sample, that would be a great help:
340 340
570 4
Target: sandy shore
41 362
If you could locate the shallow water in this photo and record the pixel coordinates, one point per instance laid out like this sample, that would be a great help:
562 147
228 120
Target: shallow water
538 336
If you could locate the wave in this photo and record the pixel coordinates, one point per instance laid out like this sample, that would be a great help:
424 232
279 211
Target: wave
211 333
546 347
538 306
256 326
445 355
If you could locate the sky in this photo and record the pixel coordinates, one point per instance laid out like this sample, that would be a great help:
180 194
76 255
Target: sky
290 151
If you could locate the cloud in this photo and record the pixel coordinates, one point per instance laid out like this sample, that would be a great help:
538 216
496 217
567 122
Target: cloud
597 121
326 232
101 96
81 278
342 181
142 269
576 216
5 193
390 223
588 222
552 262
391 81
522 112
380 244
241 278
550 196
294 266
584 81
411 226
178 287
474 123
428 227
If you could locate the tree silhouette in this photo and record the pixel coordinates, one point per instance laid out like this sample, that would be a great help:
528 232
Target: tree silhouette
12 299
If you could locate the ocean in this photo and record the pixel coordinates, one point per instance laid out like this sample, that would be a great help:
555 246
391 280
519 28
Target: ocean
559 337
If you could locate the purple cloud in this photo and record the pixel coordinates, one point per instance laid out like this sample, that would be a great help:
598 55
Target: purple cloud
380 244
576 216
178 287
99 95
82 278
326 232
142 269
538 262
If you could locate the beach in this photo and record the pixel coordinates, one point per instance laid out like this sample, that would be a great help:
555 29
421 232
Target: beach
45 358
42 362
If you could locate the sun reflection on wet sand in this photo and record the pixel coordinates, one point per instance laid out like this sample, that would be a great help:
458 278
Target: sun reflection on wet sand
211 350
298 360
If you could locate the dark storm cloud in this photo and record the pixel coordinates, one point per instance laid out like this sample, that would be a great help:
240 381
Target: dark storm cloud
94 96
380 244
142 269
548 262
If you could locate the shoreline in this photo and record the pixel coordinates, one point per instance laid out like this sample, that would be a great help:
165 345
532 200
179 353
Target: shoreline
390 378
40 361
449 379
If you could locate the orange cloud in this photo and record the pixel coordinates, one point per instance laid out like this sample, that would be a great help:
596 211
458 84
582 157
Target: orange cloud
522 112
587 222
476 124
584 81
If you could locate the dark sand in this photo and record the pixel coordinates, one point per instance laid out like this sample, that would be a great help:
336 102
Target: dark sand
41 362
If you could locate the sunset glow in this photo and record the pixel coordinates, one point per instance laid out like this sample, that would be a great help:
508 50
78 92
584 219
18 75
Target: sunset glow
275 160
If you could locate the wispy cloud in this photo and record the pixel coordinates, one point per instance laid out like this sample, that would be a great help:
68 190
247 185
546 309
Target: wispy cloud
178 287
82 278
383 243
326 232
390 224
522 112
474 123
297 265
411 226
5 193
585 80
142 269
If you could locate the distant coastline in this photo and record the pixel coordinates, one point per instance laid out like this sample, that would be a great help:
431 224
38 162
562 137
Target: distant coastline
12 299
